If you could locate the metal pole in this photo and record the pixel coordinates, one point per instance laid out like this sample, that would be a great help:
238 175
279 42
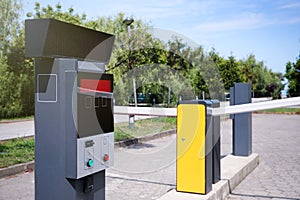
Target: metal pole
252 81
131 117
133 79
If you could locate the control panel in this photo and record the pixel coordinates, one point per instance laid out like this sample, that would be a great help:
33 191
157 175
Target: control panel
94 153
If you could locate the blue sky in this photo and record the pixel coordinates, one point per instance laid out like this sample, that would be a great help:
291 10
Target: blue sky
269 29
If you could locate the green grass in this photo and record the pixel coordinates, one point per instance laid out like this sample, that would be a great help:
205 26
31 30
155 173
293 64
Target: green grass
144 127
16 151
21 150
120 135
281 111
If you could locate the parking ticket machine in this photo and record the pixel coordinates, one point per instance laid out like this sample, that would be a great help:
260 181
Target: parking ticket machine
74 127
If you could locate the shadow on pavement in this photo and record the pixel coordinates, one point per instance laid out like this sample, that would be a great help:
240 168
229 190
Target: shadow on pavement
140 146
141 181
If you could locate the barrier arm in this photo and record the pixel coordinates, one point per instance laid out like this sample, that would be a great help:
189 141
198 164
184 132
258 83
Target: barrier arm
172 112
243 108
145 111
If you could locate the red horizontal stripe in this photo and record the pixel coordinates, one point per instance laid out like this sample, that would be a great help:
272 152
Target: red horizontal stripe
96 85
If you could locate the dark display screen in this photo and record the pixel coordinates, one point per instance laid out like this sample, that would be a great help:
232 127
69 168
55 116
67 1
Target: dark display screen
95 106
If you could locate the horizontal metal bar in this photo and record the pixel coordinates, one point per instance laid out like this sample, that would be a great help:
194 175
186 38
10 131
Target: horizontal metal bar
146 111
244 108
172 112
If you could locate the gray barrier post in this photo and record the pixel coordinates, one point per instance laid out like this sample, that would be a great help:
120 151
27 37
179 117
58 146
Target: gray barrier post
216 137
240 93
74 128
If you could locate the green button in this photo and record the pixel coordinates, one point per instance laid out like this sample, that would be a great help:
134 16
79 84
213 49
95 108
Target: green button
90 163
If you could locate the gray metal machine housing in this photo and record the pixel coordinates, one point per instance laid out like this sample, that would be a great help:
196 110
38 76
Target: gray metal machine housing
74 135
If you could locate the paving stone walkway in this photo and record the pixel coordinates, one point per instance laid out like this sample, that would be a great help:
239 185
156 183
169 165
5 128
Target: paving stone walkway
142 171
276 138
147 171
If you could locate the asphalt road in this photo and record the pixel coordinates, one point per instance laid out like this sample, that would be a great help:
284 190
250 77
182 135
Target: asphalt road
16 129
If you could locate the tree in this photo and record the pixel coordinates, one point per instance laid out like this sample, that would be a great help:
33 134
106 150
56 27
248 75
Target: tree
10 105
166 70
144 49
57 13
293 77
23 72
230 72
13 81
17 76
265 83
9 24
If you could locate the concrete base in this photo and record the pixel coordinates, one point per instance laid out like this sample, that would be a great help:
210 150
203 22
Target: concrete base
234 169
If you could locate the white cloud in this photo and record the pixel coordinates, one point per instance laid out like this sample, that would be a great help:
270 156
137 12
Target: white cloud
151 10
243 21
294 21
145 8
290 6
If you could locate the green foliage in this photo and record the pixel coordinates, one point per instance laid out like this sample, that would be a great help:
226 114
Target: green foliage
10 105
16 77
9 25
293 77
264 81
205 75
164 71
230 72
57 13
16 72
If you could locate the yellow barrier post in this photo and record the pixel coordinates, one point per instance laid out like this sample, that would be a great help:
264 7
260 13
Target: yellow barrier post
194 156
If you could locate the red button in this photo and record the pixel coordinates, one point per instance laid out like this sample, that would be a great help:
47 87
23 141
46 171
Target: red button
106 157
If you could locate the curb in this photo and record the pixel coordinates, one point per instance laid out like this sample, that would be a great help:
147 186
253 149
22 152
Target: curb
26 167
21 137
7 121
147 138
234 169
235 173
15 169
